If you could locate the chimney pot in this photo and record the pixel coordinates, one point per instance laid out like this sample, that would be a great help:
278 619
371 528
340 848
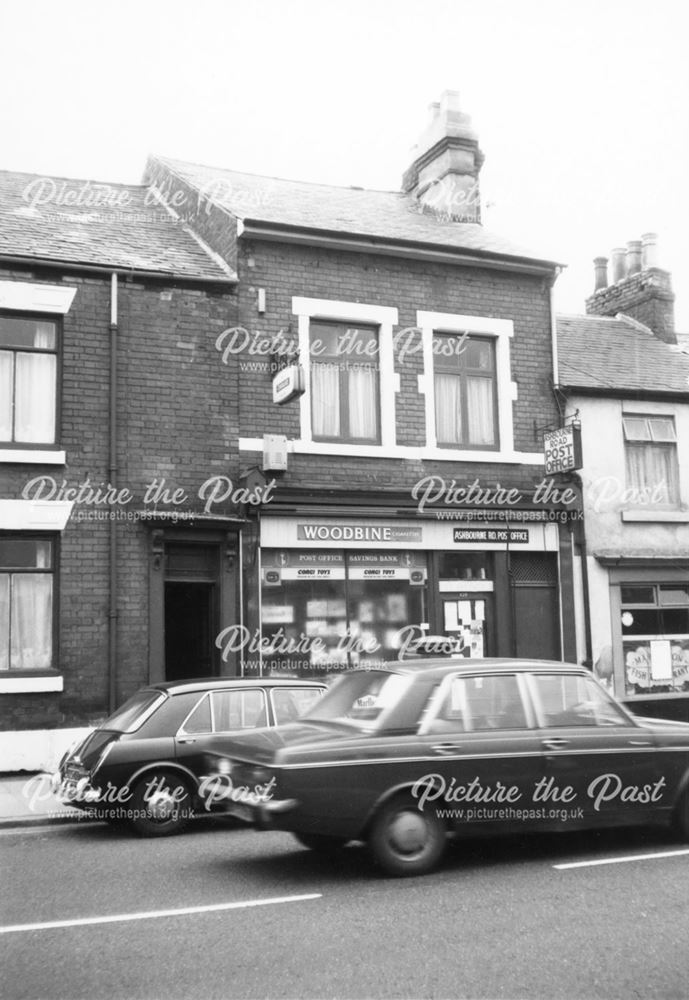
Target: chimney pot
649 250
601 271
619 264
633 256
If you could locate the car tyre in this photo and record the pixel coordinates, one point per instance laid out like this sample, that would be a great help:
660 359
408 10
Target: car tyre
320 842
681 815
161 805
405 840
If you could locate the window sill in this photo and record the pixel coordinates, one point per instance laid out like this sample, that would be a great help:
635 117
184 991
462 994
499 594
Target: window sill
661 516
28 683
32 456
382 451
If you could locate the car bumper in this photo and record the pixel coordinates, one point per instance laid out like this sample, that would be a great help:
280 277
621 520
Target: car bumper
76 791
269 815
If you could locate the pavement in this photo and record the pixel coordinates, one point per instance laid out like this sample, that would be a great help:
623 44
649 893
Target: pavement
26 799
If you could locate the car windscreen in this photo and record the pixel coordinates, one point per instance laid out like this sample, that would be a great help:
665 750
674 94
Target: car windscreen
360 698
135 710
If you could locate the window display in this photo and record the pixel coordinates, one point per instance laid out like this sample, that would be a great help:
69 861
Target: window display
339 609
655 638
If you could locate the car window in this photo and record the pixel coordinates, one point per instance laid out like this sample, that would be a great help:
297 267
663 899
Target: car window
361 697
473 704
239 709
572 700
290 703
134 712
199 719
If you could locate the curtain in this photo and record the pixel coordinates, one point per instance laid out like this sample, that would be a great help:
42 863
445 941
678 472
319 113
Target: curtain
5 396
448 409
44 336
363 409
325 400
480 411
653 467
35 398
4 621
32 621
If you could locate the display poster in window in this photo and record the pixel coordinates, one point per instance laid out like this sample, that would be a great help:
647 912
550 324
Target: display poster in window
410 566
290 564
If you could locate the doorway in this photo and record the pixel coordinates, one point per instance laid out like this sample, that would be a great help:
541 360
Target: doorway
189 632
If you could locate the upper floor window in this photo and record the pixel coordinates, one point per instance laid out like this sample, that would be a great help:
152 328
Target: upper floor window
465 391
345 372
28 379
651 458
26 603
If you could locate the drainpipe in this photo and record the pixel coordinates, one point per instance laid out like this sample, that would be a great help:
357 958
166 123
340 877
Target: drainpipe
112 478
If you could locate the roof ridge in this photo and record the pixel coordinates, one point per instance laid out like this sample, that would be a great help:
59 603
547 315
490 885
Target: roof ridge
269 177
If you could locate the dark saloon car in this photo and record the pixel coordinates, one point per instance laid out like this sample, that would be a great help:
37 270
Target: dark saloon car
144 765
405 758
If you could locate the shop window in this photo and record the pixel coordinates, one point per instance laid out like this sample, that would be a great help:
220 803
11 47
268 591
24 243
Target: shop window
328 610
655 638
651 459
465 566
28 380
465 391
26 603
345 377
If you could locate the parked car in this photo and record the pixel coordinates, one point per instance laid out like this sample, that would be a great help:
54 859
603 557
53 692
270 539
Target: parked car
405 758
144 764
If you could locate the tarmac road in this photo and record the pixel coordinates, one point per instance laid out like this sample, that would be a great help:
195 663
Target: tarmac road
255 915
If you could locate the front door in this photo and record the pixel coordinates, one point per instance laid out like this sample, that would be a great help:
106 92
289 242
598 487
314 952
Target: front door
189 633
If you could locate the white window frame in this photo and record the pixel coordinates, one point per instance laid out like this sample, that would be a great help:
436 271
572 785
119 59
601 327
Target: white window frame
384 317
501 331
24 296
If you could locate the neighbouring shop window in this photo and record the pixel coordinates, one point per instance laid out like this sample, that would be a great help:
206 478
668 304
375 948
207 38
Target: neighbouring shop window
655 638
465 394
345 374
465 566
28 380
651 459
26 603
329 610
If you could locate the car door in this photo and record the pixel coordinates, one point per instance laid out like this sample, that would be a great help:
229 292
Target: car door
216 714
597 762
482 751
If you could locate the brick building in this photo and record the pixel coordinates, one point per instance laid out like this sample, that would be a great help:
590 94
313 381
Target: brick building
109 308
404 478
396 493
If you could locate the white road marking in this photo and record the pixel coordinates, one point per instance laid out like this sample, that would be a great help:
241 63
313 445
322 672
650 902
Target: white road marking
155 914
620 861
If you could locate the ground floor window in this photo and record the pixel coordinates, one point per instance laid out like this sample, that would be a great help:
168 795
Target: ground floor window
655 637
26 603
329 610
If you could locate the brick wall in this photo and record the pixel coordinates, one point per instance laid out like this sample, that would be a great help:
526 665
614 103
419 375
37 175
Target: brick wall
646 296
285 271
177 421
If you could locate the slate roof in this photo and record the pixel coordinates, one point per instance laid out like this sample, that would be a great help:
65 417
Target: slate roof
386 215
597 353
110 225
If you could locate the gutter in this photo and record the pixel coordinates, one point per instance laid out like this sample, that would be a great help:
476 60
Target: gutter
359 244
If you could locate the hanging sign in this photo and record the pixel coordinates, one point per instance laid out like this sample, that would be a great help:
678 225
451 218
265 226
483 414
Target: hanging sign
562 449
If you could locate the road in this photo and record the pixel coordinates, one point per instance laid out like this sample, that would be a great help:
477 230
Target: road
257 916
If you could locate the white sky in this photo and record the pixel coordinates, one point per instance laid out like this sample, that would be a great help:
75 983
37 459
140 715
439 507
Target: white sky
581 106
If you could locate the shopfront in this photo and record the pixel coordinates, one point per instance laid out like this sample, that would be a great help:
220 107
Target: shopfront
650 629
337 593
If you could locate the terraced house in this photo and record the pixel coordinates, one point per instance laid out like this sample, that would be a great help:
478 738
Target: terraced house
252 424
402 435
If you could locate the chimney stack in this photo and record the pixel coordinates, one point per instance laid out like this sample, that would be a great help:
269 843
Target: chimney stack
601 266
640 289
443 178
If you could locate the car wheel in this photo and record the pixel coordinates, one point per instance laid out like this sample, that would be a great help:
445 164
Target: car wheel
160 805
320 842
681 815
405 840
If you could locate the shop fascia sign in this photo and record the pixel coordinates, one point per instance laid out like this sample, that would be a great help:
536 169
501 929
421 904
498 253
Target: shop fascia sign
562 449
